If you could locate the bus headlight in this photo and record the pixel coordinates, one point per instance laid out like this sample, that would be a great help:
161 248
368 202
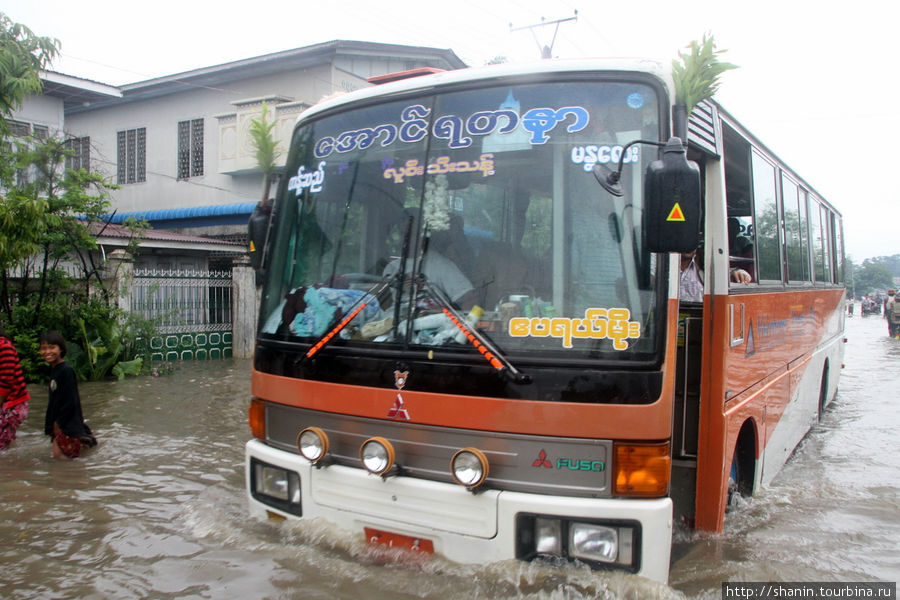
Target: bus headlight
377 455
601 543
548 536
593 542
312 443
275 486
469 467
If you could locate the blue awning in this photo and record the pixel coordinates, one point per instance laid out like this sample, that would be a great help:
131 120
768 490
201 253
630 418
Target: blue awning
195 216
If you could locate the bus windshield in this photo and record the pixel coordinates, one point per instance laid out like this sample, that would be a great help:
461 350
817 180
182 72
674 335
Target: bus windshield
483 199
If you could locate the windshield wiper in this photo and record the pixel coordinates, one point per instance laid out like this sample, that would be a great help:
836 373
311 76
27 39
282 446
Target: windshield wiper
478 339
371 294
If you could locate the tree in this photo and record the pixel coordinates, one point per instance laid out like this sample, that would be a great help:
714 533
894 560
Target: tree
23 56
46 213
48 275
891 262
850 269
872 276
266 148
43 218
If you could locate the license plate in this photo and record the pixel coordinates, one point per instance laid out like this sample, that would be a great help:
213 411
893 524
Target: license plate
396 540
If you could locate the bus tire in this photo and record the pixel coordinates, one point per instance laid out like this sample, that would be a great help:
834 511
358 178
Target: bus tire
743 468
733 489
823 393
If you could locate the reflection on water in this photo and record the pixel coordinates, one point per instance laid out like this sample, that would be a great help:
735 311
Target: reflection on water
157 509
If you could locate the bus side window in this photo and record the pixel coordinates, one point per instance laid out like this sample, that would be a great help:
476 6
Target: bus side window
740 247
738 191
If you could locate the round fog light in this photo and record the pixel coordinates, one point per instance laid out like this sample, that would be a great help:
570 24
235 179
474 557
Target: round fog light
469 467
312 443
377 455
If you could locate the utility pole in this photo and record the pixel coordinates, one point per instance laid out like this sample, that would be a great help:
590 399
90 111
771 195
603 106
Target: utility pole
546 51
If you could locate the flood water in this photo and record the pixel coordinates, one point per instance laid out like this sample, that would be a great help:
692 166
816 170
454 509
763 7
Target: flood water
157 510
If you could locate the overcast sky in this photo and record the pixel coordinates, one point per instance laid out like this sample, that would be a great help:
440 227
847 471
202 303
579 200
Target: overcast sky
818 81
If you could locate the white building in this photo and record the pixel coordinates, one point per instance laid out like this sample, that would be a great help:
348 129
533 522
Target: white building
179 149
179 146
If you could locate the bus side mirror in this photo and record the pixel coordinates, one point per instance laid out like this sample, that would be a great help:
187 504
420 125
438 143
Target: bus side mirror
257 232
672 201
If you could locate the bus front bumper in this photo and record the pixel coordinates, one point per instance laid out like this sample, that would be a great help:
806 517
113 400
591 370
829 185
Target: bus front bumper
492 525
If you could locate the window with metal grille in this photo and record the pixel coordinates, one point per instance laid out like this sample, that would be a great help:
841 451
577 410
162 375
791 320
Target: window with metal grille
131 151
18 128
190 148
81 146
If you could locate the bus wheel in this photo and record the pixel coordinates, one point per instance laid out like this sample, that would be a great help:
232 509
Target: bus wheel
734 491
742 472
823 393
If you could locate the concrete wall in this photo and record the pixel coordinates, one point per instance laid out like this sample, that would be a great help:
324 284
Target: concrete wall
42 110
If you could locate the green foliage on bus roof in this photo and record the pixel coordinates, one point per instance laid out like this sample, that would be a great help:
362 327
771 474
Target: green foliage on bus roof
697 73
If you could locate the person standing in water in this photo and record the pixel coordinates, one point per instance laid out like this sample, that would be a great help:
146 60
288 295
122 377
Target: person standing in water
64 422
14 395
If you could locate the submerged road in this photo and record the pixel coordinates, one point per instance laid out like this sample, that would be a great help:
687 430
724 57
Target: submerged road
158 509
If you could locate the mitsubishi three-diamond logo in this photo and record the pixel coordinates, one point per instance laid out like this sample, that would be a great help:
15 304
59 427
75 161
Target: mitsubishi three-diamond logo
397 411
542 461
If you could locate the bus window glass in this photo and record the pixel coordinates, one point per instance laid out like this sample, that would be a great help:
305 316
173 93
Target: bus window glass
767 220
827 275
794 238
818 240
803 213
485 198
838 247
739 205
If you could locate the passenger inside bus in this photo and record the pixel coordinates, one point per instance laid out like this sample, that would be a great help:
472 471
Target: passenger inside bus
740 250
691 278
439 269
454 245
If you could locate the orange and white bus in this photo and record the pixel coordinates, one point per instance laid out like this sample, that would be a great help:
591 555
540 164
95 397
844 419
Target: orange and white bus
471 338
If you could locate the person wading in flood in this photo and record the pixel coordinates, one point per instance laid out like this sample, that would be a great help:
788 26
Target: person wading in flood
892 314
64 422
14 395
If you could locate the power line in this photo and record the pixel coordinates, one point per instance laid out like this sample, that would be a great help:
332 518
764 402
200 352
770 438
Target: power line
546 50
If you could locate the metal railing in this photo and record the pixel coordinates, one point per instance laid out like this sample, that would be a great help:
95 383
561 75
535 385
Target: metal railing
183 301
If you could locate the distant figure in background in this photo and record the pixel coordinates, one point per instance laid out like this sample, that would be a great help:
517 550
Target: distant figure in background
64 421
14 395
892 314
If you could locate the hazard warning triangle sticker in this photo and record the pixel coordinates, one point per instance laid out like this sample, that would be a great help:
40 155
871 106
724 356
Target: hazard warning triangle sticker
675 214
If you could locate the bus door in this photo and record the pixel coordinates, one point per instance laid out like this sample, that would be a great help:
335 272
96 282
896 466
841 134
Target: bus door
686 404
686 418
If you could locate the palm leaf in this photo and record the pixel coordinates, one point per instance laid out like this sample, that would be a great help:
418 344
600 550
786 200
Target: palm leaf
697 73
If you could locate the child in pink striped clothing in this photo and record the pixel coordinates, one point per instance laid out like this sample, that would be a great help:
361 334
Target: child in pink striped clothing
14 395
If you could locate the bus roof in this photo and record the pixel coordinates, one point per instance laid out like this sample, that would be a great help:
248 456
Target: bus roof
654 68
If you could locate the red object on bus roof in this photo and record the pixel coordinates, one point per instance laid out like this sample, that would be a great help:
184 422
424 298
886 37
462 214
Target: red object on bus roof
389 77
